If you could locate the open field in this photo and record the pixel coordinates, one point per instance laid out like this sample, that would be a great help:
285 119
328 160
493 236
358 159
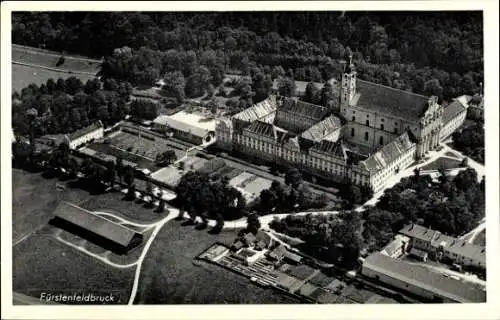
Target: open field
34 198
32 65
169 275
50 59
445 163
481 238
44 264
23 76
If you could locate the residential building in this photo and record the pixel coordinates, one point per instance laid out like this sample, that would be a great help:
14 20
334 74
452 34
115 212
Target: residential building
85 135
438 246
420 281
397 247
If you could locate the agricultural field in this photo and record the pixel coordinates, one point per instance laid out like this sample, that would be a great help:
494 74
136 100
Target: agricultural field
41 262
50 59
32 65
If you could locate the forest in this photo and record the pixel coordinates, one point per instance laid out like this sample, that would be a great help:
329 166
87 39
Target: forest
64 106
437 53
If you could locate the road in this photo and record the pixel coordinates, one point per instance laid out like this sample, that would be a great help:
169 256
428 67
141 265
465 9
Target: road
54 69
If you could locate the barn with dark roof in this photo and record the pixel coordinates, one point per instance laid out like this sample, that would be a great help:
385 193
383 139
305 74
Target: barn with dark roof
95 228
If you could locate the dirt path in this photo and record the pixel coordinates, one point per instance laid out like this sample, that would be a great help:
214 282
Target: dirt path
54 69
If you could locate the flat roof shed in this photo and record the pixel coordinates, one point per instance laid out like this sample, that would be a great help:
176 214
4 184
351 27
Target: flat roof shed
95 228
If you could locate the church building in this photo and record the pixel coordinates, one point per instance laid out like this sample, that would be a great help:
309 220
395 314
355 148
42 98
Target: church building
377 132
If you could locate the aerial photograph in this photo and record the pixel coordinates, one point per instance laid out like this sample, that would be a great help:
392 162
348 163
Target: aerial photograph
247 157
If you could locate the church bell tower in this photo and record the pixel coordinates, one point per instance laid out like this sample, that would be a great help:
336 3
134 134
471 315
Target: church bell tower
348 89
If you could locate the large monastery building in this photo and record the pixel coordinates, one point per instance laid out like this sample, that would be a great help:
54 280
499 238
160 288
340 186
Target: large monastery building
378 132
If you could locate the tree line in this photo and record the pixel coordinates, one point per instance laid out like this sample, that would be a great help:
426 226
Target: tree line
470 141
429 53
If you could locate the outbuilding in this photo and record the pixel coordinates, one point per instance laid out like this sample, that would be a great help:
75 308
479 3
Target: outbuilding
95 228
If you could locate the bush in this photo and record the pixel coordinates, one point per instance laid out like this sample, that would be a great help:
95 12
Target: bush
61 61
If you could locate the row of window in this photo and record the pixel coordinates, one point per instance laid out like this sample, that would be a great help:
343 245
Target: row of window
382 127
380 140
317 163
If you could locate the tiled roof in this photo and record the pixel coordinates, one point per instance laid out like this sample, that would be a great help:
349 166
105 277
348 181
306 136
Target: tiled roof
181 126
291 142
322 128
258 110
94 223
278 252
302 108
419 253
263 129
387 100
388 153
83 131
330 147
422 277
434 237
452 110
468 250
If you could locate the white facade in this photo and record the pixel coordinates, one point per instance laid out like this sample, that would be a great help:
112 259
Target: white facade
96 131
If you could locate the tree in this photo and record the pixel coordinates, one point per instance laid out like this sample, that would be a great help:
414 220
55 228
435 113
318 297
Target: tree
131 192
73 85
311 94
119 167
286 87
433 88
253 223
293 177
111 173
267 199
72 168
149 191
166 158
129 176
161 205
175 85
328 94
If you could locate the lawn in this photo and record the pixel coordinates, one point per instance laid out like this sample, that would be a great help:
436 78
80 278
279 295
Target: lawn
23 76
34 199
43 264
443 162
480 239
114 203
170 277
